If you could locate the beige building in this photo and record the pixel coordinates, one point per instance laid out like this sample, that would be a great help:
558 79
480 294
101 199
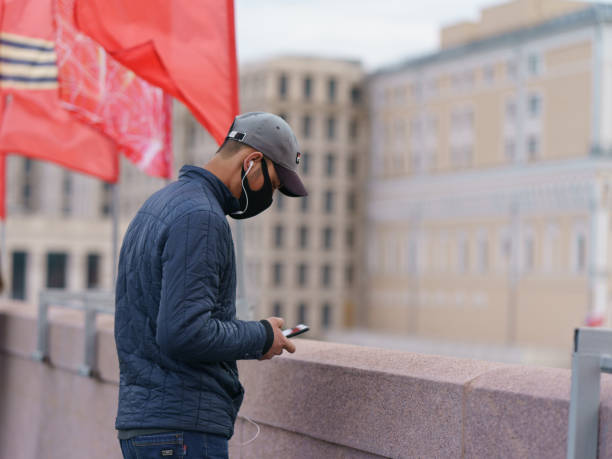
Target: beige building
302 256
489 206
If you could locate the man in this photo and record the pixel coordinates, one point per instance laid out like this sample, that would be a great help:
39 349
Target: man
175 328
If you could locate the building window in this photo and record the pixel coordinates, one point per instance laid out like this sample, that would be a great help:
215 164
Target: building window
304 200
331 90
27 184
510 110
277 309
351 202
533 64
302 313
278 236
463 255
305 163
326 316
351 166
107 199
349 274
306 126
284 116
353 129
307 88
283 86
350 238
505 250
303 237
277 274
533 147
302 274
580 264
535 105
331 128
326 275
191 136
329 201
56 270
18 279
328 237
356 95
93 271
483 255
27 196
330 164
66 193
280 201
550 251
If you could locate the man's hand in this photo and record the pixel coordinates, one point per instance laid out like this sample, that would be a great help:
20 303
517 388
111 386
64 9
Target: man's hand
280 342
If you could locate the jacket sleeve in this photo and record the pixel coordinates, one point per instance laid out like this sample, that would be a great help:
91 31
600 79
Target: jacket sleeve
192 265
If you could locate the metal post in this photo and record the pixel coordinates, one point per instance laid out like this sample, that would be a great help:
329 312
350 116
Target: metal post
40 353
584 407
514 271
89 357
592 349
598 251
598 90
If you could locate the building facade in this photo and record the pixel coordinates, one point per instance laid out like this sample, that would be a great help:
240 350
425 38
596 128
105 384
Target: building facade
303 256
489 208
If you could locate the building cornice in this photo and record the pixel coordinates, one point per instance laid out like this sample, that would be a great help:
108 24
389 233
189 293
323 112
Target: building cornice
598 13
547 187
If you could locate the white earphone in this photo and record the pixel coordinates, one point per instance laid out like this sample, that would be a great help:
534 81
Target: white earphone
243 189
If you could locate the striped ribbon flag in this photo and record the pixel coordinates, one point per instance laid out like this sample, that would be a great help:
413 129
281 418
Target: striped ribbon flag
27 63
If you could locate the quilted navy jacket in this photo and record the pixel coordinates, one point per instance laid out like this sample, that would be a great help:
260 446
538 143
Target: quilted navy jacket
175 328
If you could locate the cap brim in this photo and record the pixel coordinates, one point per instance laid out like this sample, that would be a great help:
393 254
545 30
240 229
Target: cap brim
291 185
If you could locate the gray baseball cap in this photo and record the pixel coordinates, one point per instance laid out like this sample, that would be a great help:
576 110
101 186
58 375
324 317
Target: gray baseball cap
271 135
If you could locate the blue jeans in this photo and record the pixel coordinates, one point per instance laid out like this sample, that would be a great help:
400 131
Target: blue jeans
175 444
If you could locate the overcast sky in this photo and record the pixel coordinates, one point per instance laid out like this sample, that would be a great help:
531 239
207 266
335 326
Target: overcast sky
377 32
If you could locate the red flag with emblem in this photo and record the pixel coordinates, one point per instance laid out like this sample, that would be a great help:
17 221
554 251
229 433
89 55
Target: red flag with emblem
185 47
102 92
32 122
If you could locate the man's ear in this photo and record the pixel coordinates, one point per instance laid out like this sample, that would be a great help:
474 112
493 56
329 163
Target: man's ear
254 156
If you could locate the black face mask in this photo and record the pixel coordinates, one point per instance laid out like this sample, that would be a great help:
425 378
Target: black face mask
254 202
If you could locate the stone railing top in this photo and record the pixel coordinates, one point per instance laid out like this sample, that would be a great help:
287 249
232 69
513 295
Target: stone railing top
376 401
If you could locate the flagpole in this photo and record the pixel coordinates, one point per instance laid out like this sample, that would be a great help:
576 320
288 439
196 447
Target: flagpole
3 258
115 216
242 305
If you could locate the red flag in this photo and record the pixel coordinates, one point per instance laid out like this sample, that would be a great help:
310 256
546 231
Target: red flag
33 123
186 47
102 92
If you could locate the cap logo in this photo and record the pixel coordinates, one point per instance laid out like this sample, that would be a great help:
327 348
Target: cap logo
297 158
235 135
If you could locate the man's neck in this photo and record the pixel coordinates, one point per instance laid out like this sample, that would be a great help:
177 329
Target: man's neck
224 170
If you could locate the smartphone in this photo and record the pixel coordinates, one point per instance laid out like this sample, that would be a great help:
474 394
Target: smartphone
297 330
